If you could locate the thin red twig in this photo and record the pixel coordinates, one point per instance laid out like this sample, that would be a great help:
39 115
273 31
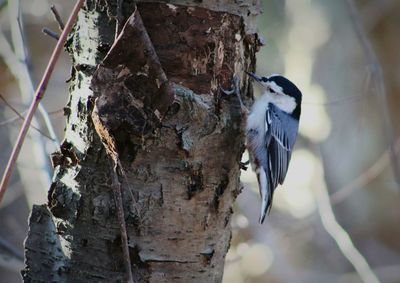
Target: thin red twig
37 98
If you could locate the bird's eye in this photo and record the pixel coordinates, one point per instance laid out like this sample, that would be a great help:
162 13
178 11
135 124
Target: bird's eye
271 90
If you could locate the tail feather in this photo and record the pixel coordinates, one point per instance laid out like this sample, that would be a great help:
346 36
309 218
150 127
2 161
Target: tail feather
266 191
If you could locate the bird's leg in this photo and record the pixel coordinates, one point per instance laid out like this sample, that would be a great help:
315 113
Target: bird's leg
236 90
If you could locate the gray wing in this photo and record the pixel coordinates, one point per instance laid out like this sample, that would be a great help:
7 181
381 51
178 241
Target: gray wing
280 138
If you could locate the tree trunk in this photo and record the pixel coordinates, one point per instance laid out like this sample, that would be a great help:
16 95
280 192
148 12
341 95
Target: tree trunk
181 167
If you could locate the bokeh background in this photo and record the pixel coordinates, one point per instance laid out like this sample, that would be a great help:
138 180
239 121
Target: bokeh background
336 218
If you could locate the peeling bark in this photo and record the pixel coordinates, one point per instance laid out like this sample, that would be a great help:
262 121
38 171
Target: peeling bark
180 160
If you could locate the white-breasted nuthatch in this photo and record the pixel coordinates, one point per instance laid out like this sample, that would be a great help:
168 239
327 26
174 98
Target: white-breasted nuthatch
271 131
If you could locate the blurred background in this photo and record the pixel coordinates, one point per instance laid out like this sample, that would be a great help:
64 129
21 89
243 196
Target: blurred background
336 218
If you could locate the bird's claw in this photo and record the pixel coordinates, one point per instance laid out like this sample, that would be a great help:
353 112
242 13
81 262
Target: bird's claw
235 90
244 165
227 92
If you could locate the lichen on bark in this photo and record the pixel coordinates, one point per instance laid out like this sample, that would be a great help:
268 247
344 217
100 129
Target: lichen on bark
182 170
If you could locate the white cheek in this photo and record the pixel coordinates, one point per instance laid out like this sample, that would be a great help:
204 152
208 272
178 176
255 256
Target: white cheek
284 102
275 87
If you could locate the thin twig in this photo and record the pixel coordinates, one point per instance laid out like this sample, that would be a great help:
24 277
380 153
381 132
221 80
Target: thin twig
57 17
17 31
22 64
19 71
381 89
120 19
58 111
11 262
51 33
16 118
387 273
10 256
38 96
366 177
339 234
361 181
22 117
11 120
11 249
15 191
116 187
117 170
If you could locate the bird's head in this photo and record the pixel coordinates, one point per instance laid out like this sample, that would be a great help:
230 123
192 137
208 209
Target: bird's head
281 90
279 85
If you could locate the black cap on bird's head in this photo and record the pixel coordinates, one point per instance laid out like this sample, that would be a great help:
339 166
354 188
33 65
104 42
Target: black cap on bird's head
278 84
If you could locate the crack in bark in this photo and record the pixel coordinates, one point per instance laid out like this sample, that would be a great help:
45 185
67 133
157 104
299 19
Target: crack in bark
141 59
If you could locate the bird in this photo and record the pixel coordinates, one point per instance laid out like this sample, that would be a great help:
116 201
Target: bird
272 126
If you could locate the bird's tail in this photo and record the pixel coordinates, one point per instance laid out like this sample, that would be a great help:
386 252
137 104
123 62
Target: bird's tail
266 191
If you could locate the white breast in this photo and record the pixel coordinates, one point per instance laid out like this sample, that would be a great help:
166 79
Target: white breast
256 121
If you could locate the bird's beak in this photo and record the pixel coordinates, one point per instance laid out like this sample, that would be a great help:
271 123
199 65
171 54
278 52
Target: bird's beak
254 76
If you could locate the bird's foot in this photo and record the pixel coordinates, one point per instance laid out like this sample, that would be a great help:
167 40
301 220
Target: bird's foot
235 89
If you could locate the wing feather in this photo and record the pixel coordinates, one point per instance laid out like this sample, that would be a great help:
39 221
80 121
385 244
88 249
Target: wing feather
281 135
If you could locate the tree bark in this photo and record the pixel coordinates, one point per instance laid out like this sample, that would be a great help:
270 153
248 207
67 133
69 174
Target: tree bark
180 166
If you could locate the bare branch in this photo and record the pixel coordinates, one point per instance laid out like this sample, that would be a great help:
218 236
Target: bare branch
38 96
116 187
11 249
10 257
380 82
20 70
22 118
16 118
338 234
366 177
110 145
11 120
57 17
51 33
22 64
55 112
15 191
387 273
